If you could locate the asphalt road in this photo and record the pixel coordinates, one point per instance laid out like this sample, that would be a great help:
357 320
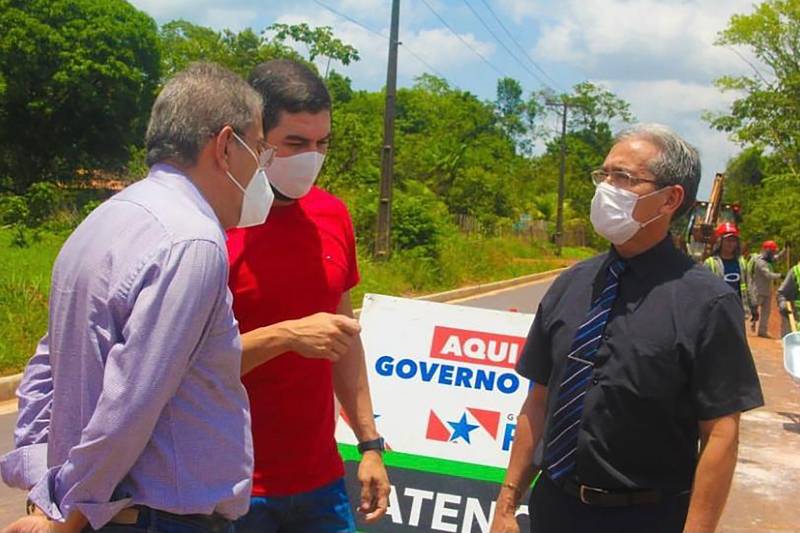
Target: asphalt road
524 299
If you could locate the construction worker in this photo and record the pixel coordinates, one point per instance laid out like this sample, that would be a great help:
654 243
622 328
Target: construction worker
727 262
761 279
789 291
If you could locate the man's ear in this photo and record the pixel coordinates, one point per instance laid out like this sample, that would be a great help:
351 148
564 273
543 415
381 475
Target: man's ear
221 147
674 199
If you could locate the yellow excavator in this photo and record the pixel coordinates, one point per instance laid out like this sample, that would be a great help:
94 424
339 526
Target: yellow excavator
704 219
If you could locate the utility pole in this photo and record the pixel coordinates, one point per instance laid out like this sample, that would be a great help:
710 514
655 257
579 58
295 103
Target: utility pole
383 239
559 236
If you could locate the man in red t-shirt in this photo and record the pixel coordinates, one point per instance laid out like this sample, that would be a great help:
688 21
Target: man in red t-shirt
290 279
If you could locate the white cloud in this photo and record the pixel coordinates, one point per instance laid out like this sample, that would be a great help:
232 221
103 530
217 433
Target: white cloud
164 10
661 100
648 38
679 105
236 15
520 10
444 50
438 47
232 19
659 55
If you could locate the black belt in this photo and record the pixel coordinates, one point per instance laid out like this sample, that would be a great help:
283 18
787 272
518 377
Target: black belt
611 498
208 523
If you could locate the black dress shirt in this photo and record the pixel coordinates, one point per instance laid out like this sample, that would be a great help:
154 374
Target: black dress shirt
674 353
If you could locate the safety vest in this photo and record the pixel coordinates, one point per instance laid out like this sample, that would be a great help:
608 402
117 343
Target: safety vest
751 265
714 263
796 271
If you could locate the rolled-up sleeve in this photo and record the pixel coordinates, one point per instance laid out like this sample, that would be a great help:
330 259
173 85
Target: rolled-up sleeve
172 301
24 466
724 378
35 395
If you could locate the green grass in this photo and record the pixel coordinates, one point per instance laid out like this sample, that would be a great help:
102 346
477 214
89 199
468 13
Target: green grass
24 288
25 279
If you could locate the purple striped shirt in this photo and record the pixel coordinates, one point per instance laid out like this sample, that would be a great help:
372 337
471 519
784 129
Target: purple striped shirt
134 395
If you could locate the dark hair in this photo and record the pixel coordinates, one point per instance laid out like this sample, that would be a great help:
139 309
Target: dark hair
287 85
194 105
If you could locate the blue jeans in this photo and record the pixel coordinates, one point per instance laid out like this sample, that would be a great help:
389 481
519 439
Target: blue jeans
152 521
324 510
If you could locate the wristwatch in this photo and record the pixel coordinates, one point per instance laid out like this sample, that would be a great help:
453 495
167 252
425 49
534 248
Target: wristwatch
374 444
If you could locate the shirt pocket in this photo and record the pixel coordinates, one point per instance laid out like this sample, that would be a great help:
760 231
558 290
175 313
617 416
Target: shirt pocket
655 371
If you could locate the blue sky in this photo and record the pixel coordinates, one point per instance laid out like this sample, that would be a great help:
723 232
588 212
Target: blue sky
656 54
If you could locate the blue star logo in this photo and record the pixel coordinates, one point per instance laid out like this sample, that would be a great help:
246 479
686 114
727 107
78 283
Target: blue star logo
462 429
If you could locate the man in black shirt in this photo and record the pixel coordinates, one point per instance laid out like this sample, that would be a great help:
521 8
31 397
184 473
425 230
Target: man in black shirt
638 359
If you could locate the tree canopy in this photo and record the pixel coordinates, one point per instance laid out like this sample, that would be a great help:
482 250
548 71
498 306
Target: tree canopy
765 119
78 78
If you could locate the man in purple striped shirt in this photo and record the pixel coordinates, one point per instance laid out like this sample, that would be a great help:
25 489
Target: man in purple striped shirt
141 413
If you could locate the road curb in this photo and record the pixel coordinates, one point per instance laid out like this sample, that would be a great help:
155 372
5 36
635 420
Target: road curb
9 384
8 387
477 290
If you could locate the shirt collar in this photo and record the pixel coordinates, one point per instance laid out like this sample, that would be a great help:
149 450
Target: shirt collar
178 181
659 258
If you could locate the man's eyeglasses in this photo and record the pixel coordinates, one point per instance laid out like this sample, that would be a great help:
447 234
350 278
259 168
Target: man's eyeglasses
265 152
618 178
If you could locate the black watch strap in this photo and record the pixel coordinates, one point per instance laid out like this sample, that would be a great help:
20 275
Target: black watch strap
374 444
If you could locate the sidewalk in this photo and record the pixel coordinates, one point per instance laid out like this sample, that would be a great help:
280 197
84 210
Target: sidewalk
766 487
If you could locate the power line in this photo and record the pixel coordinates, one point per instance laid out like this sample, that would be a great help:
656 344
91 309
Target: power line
521 48
379 34
464 41
525 67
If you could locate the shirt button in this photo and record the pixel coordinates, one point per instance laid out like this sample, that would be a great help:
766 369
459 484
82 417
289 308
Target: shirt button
606 336
595 380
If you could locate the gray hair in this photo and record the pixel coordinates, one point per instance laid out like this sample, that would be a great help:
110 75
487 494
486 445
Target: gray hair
677 164
195 105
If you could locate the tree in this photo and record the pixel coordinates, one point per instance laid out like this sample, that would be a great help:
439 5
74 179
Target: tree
765 120
183 42
594 108
768 112
591 112
319 41
517 116
78 80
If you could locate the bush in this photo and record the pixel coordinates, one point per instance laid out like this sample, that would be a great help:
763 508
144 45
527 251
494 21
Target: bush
419 221
413 223
88 207
14 210
137 163
43 200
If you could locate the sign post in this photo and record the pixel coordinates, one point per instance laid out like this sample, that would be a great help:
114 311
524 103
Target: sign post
446 398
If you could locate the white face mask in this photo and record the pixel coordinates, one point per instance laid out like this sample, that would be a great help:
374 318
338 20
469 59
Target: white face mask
293 176
258 196
612 213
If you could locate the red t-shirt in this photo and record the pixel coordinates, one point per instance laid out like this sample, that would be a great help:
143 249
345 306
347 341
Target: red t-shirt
299 262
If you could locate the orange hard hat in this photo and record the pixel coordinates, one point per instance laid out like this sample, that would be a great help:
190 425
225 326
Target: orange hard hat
726 228
770 245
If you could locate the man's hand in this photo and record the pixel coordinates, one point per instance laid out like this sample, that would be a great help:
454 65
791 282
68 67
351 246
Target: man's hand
40 524
375 487
505 519
323 335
